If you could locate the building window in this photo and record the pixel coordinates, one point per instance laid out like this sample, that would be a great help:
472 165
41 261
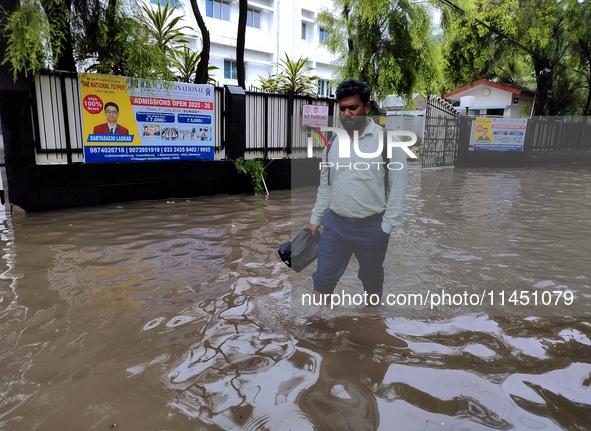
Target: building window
497 111
230 70
304 31
323 34
324 88
219 9
171 3
253 18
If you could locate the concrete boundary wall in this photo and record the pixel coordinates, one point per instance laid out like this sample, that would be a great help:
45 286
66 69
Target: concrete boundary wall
53 187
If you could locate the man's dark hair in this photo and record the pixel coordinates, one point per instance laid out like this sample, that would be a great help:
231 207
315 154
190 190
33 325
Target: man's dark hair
352 87
113 104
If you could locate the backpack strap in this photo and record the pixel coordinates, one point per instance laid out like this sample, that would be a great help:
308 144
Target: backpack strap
328 147
385 159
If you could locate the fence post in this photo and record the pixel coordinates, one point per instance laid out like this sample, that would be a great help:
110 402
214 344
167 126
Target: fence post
66 124
266 124
17 127
235 121
463 141
290 101
528 140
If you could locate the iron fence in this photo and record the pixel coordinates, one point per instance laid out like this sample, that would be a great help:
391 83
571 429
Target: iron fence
58 134
441 135
58 116
266 125
558 134
270 126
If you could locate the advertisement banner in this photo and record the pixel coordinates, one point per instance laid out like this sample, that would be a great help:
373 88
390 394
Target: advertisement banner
133 120
499 134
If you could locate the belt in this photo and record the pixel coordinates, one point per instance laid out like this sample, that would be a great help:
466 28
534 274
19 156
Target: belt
352 220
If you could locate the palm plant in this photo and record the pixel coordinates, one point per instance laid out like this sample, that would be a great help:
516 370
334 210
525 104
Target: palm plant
270 83
185 60
292 76
163 27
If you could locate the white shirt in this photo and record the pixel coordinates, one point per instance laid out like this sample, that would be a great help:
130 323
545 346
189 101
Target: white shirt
357 186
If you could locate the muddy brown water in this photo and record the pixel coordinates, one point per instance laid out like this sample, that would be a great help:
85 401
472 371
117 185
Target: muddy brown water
178 315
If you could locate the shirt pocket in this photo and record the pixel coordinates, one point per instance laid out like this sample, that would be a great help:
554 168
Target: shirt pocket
368 170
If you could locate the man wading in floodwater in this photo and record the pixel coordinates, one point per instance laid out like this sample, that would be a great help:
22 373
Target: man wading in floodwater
358 208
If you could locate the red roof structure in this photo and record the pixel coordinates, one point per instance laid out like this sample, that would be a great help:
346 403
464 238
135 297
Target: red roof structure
513 90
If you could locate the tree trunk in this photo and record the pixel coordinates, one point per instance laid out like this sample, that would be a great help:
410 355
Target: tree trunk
104 55
202 75
544 104
61 38
587 53
66 60
240 42
587 106
346 12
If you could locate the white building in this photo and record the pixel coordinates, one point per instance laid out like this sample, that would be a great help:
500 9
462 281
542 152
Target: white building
396 104
274 28
489 98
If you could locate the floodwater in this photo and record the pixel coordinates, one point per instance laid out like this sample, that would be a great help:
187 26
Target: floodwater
178 315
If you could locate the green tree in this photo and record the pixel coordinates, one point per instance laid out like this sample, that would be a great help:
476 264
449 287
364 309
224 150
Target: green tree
581 54
185 61
38 37
292 77
164 28
269 83
25 30
123 45
495 40
385 43
109 38
58 13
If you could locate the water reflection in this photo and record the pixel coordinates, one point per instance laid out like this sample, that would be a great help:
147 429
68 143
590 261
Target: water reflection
180 315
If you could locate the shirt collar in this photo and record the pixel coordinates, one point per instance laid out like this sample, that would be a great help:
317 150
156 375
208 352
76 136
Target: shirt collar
370 128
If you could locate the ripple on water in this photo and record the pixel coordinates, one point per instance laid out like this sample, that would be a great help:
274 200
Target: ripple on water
281 419
190 301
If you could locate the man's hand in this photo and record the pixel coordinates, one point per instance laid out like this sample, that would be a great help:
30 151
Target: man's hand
313 228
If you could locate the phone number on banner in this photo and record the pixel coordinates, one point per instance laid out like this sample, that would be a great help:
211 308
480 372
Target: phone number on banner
93 154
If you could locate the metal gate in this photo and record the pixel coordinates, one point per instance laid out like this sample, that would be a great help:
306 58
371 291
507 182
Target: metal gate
442 132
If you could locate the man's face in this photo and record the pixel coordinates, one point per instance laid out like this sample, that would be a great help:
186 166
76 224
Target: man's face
353 112
484 131
112 114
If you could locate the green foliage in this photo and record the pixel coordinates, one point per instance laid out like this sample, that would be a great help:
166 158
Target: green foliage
270 83
410 104
292 77
28 32
525 110
163 28
124 46
548 32
185 61
385 43
109 38
580 60
255 170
